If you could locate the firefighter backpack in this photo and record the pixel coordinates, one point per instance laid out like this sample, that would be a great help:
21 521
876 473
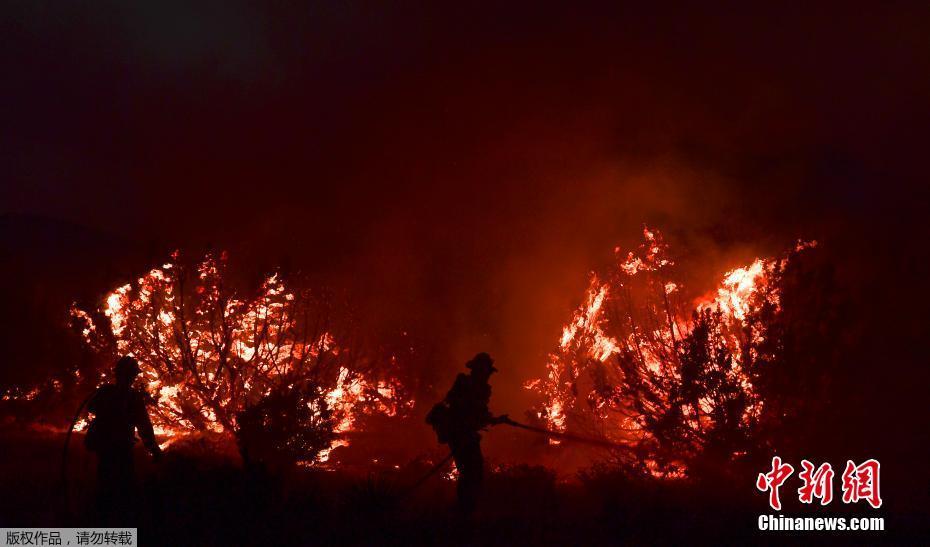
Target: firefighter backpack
440 419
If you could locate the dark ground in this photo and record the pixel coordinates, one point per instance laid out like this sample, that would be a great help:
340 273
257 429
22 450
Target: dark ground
200 497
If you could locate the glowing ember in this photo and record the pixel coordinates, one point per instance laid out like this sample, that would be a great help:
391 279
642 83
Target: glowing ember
452 474
206 355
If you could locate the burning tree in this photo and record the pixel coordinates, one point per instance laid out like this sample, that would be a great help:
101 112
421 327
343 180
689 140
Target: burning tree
279 362
673 378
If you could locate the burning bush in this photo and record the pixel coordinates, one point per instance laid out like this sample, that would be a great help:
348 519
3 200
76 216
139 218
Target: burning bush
673 378
211 358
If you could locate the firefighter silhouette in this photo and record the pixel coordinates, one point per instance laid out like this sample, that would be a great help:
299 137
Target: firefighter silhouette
458 420
119 411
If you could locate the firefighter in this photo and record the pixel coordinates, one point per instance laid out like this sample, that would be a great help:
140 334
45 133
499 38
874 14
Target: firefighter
458 420
119 411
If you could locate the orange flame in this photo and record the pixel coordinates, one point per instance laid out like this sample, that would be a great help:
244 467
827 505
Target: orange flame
205 356
573 386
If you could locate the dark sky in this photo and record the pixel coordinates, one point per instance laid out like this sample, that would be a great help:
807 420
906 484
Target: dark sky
458 170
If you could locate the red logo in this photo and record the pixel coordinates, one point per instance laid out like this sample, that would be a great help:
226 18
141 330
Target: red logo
817 484
859 482
773 480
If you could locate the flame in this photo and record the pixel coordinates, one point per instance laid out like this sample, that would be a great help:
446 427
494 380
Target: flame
737 287
585 379
206 354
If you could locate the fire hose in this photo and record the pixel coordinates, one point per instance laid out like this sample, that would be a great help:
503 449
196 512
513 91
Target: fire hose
603 443
542 431
435 469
